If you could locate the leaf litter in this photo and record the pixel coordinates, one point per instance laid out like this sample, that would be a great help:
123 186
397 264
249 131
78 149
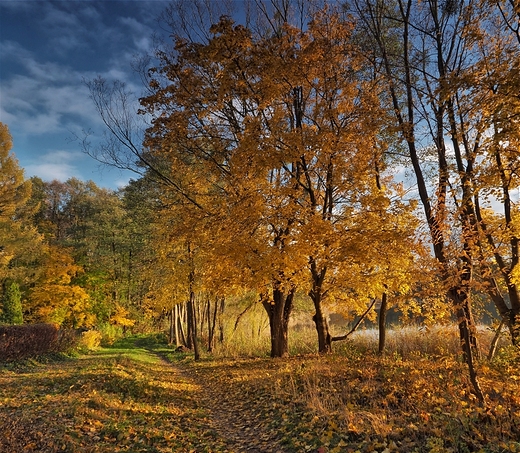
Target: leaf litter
139 402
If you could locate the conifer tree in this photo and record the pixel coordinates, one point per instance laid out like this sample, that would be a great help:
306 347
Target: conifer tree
12 304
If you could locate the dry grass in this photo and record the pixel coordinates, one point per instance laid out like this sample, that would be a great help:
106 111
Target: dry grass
414 398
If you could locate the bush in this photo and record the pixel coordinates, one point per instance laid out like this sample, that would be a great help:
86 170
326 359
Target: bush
90 340
20 342
110 333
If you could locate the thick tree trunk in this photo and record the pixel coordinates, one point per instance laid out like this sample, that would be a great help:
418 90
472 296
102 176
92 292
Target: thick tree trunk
279 310
320 319
322 328
382 323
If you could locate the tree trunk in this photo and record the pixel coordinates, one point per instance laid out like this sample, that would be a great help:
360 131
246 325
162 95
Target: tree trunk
514 326
173 321
220 323
357 324
279 310
468 356
461 300
320 319
192 326
405 108
322 325
190 313
382 322
212 323
180 322
494 342
322 328
176 326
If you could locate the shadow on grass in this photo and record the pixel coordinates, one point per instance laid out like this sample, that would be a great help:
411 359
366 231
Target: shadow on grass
119 398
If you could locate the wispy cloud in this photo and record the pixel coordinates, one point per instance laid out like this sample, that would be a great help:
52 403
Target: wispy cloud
59 165
50 98
47 50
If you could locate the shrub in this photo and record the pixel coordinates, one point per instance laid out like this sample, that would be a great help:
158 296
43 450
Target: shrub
20 342
90 340
110 333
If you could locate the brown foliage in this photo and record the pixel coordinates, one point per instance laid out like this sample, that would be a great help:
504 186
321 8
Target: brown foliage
19 342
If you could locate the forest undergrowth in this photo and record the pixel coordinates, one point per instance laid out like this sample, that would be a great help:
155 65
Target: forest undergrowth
138 396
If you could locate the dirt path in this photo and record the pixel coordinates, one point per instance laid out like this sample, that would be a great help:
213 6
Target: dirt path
236 416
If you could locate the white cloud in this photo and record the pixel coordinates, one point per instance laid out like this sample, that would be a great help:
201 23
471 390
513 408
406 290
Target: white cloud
12 49
59 165
46 101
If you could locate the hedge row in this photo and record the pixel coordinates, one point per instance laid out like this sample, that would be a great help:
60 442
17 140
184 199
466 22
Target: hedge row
30 340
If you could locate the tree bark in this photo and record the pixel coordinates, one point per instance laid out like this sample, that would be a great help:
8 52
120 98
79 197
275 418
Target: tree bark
322 328
279 310
494 342
320 319
192 325
173 321
382 323
180 320
356 325
176 325
220 323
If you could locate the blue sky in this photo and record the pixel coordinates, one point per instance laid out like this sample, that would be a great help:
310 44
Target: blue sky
47 49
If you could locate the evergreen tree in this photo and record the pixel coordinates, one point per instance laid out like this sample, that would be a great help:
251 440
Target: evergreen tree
12 304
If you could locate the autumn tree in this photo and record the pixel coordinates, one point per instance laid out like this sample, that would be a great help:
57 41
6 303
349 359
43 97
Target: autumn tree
421 48
19 240
92 223
493 80
55 296
276 154
271 158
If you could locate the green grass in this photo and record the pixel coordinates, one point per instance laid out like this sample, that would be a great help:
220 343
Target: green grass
122 398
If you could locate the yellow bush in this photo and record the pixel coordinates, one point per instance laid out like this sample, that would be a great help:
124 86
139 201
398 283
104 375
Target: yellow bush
91 339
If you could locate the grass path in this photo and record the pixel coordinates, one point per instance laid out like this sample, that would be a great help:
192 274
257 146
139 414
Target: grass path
116 400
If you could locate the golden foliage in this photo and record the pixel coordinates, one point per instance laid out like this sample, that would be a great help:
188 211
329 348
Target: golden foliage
55 298
275 157
120 317
18 238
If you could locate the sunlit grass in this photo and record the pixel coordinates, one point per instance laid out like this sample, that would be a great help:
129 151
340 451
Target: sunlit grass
116 399
414 398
